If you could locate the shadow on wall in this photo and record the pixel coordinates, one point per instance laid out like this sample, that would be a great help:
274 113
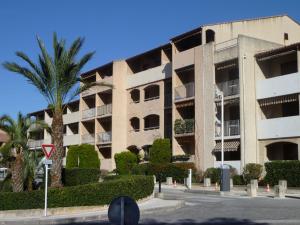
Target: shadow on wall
213 221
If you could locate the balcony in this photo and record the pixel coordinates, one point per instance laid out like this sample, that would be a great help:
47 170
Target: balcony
88 113
185 91
104 137
73 139
96 89
229 88
71 117
283 127
37 143
184 59
231 128
184 127
104 110
88 138
278 86
35 127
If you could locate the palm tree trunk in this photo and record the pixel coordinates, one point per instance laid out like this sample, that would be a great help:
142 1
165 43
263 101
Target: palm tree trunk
17 174
57 140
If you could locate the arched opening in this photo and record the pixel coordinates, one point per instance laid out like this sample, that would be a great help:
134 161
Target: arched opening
135 124
151 92
134 149
135 95
282 151
151 122
210 36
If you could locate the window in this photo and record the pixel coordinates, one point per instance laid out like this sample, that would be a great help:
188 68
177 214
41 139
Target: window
135 95
289 67
210 36
151 122
151 92
135 124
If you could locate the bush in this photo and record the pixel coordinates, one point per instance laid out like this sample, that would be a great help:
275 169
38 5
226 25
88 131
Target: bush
238 180
125 161
160 151
252 171
214 174
137 187
79 176
5 186
283 170
175 170
82 156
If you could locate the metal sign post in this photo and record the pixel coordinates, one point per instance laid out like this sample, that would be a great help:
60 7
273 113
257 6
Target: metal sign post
48 150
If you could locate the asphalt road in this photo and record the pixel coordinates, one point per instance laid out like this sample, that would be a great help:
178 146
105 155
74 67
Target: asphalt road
217 210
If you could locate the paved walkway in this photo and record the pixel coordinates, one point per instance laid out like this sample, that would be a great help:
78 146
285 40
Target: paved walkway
151 206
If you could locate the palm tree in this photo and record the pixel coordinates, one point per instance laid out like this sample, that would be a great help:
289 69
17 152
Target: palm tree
57 78
31 161
13 150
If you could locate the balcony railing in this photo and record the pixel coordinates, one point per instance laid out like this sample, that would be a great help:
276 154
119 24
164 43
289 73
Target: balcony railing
88 113
229 88
88 138
186 126
231 128
104 110
104 137
185 91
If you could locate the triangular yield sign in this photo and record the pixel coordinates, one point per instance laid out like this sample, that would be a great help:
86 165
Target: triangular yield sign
48 149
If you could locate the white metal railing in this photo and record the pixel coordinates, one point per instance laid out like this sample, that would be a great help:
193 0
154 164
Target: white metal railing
229 88
88 113
104 137
185 91
226 44
104 110
35 143
231 128
88 138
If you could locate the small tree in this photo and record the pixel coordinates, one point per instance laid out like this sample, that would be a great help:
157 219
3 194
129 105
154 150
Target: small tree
125 161
82 156
160 152
252 171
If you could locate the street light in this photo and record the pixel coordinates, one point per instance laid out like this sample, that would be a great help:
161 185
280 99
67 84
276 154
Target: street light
225 180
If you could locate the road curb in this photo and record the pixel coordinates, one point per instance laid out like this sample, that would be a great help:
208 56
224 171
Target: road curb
85 217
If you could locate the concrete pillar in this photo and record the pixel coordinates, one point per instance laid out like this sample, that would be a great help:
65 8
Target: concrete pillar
251 190
154 179
279 191
254 183
169 181
283 184
189 180
207 182
231 183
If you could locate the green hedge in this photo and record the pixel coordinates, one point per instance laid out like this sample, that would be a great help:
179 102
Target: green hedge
79 176
82 156
283 170
137 187
125 161
160 151
175 170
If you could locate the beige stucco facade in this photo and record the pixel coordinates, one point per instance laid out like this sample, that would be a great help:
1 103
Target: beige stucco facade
170 92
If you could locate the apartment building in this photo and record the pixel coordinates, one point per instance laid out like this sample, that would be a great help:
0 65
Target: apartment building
170 92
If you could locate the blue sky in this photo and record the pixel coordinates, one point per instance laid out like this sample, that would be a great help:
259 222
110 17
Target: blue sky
114 29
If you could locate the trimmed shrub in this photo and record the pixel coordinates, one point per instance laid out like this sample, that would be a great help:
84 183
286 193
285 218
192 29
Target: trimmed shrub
214 174
252 171
79 176
125 161
178 172
160 151
82 156
238 180
137 187
283 170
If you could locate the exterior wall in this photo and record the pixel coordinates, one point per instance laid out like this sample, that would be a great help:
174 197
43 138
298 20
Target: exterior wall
142 109
248 47
204 106
270 28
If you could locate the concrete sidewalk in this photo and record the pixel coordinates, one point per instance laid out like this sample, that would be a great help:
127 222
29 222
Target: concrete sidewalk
150 206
